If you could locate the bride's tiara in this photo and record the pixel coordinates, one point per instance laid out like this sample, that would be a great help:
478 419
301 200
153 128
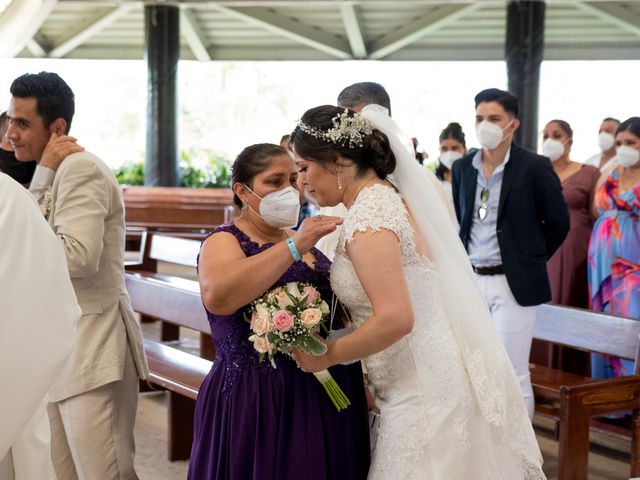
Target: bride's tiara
346 129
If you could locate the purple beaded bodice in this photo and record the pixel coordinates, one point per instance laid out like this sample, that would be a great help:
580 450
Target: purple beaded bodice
230 333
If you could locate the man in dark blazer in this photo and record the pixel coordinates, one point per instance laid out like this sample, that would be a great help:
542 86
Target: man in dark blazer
512 217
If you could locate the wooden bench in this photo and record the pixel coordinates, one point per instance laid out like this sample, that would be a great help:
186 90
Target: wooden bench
180 253
176 301
181 374
573 400
176 209
173 300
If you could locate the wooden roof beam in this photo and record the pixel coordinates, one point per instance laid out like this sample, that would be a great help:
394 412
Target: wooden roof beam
192 32
87 30
619 15
434 20
353 27
289 28
20 21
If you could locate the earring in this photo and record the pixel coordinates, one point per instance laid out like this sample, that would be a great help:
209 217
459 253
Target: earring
339 180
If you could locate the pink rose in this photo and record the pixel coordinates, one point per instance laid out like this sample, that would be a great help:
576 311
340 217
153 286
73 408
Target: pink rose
312 295
311 317
259 323
282 298
282 320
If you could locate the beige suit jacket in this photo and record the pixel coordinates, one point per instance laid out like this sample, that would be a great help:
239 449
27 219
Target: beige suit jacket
86 212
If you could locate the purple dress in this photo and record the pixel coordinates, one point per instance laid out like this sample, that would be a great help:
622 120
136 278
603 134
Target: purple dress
256 422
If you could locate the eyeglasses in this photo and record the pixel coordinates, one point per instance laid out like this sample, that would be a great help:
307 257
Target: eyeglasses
483 209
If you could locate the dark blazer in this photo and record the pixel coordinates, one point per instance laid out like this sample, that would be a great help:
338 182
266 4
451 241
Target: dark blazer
533 219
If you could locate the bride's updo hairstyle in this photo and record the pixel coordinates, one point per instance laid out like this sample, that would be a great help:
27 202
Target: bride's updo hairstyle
326 132
252 161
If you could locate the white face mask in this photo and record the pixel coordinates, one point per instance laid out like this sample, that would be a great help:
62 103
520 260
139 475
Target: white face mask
489 134
279 209
553 149
447 158
627 156
605 141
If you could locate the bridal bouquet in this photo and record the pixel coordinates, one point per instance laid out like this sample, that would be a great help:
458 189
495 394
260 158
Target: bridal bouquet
288 317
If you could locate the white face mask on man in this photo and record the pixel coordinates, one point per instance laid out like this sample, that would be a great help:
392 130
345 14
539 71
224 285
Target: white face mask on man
489 134
552 148
627 156
279 209
605 141
447 158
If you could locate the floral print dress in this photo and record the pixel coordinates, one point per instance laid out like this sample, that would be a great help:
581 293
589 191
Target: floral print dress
614 264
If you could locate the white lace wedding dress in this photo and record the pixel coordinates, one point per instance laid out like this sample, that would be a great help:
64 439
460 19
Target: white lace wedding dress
431 426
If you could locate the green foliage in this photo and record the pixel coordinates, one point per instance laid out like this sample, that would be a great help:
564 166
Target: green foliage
432 165
313 346
130 173
215 171
198 169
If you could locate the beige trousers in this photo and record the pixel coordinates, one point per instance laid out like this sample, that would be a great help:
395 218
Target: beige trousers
92 433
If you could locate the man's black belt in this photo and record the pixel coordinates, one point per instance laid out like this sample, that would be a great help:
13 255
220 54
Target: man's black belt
494 270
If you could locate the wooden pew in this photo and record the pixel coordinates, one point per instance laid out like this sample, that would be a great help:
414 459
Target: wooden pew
177 251
177 301
173 300
181 374
572 399
190 211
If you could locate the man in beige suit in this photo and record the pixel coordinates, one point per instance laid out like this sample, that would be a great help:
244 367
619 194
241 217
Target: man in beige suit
94 400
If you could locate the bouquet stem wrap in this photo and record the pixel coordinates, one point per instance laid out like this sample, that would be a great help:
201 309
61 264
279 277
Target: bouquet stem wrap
337 396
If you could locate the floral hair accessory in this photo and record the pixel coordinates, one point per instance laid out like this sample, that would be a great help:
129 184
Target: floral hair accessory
346 129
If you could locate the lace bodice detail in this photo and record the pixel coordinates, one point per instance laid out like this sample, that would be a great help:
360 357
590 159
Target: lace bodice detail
376 208
380 207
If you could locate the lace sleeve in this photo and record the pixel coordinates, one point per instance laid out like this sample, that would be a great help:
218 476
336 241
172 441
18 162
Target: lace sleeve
376 208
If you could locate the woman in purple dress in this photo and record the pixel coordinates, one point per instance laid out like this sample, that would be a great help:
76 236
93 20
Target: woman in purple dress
253 421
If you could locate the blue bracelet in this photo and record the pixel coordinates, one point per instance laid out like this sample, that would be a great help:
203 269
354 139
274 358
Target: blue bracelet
293 249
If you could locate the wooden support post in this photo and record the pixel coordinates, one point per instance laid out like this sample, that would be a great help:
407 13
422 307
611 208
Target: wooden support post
180 416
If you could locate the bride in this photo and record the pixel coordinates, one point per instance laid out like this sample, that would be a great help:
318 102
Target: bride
450 405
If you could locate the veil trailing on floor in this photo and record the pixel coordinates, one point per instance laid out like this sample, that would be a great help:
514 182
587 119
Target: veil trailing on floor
491 375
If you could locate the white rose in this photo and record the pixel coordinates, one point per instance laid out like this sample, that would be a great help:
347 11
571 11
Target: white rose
259 324
310 317
260 343
324 308
283 300
263 311
292 289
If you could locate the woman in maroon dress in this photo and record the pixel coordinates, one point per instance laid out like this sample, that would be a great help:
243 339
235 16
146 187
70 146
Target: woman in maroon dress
567 268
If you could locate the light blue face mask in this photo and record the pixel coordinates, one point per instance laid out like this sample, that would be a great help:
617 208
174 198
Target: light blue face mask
279 209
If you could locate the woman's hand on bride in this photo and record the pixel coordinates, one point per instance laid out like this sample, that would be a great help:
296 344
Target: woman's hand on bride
313 229
311 363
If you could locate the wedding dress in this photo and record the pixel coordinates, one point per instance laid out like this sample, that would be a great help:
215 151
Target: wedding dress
433 423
